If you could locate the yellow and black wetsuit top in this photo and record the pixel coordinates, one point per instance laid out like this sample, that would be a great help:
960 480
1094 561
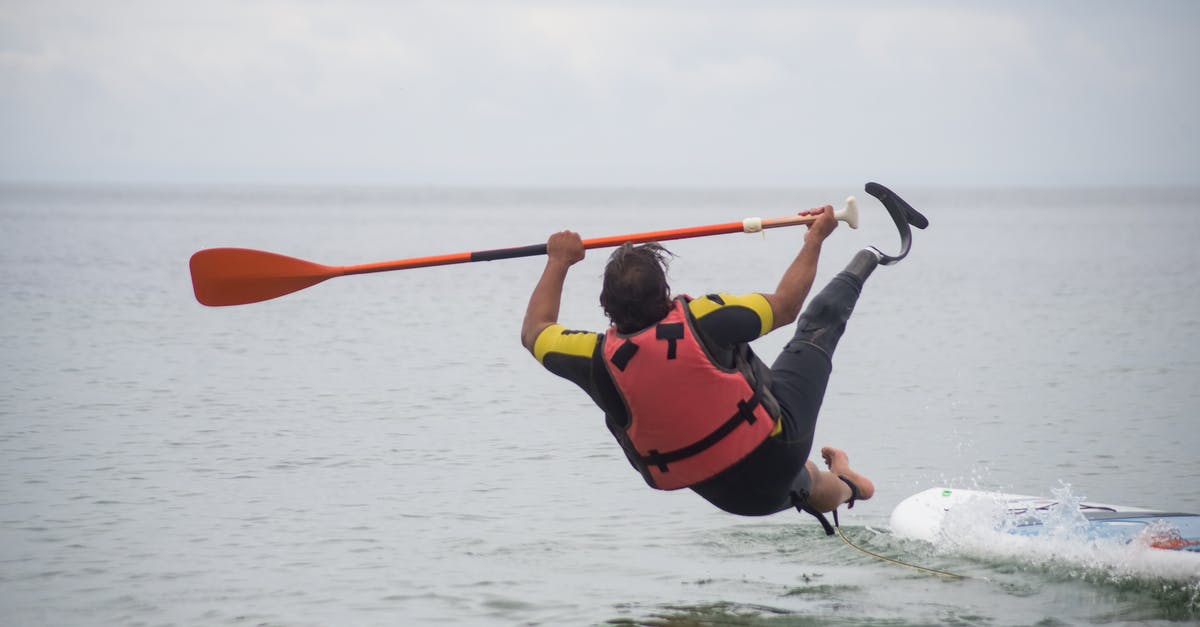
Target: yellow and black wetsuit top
724 322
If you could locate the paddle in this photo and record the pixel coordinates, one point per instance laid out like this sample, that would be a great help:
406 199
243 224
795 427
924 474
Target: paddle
238 276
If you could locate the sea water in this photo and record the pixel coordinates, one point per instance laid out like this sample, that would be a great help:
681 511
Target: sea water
380 450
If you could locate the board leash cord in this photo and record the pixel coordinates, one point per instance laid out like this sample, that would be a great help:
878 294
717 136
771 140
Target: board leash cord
891 560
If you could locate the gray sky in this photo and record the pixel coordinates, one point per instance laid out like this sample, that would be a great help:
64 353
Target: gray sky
600 93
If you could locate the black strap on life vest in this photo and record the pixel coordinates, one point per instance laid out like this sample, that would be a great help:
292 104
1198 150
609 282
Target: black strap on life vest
745 413
623 354
671 333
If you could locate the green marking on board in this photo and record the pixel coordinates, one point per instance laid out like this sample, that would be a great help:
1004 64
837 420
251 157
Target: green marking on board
945 493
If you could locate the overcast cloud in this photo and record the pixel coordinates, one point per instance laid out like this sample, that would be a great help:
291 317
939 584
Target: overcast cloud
600 93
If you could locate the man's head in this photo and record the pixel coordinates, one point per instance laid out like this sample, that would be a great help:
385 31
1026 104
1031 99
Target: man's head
636 293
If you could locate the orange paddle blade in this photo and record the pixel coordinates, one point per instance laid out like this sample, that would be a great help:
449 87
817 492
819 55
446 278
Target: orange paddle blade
237 276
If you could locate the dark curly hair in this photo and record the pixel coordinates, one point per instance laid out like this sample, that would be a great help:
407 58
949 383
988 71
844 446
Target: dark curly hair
636 293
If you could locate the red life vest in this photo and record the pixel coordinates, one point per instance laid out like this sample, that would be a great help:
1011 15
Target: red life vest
690 419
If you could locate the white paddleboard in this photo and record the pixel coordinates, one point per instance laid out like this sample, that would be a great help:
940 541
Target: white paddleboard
941 514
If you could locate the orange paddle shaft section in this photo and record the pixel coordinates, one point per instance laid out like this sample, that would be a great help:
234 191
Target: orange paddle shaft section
749 226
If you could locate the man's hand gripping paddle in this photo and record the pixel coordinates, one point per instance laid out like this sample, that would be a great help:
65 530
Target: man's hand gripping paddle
238 276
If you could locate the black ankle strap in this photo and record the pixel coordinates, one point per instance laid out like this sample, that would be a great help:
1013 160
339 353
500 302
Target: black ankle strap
854 494
800 500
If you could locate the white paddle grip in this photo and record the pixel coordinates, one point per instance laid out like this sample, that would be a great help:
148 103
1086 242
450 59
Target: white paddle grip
849 213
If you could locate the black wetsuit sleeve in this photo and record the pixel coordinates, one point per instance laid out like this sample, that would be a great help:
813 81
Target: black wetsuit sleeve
567 353
578 357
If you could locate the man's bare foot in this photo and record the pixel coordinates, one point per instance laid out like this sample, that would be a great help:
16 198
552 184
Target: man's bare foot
838 463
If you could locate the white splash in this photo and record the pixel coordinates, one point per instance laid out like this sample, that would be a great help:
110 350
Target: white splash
982 526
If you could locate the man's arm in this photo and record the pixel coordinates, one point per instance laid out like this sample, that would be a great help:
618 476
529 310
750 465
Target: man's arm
563 250
797 280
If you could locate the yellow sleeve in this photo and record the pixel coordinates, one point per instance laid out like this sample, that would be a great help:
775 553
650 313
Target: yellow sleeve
557 339
755 303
